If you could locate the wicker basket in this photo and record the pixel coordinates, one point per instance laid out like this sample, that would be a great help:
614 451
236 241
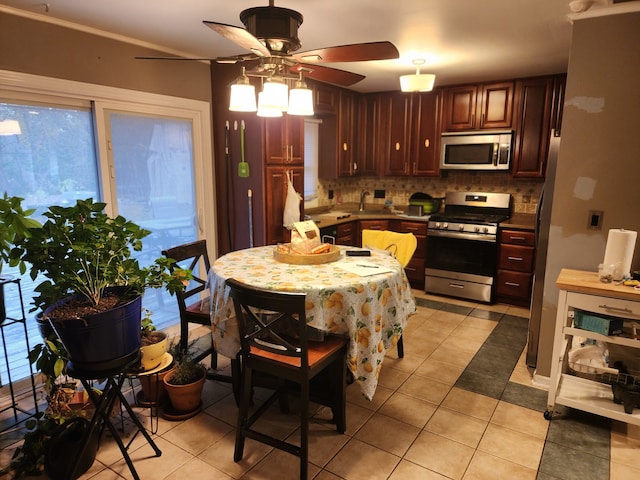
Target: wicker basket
307 259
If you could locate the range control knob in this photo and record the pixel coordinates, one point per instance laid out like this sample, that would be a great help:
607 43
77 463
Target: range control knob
461 227
445 225
485 229
476 229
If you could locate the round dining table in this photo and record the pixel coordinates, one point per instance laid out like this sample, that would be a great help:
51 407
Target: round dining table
368 299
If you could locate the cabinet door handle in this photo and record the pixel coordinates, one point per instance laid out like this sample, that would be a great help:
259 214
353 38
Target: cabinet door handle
617 309
519 239
517 259
512 284
426 143
412 229
397 146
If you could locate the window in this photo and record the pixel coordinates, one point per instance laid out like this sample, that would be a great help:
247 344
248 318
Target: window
133 150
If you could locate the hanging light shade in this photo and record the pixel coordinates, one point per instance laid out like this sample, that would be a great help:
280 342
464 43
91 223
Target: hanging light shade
243 95
265 109
275 95
417 82
300 99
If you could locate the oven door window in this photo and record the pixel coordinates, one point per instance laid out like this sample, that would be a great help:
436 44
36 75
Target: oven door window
462 255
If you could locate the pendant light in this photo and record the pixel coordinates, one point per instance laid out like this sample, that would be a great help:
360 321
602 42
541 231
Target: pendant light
265 109
300 99
417 82
275 94
243 95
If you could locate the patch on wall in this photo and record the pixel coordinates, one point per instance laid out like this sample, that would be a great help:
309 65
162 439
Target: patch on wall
583 188
588 104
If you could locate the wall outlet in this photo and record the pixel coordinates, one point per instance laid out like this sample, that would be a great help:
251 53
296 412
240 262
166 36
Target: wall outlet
378 194
594 221
330 194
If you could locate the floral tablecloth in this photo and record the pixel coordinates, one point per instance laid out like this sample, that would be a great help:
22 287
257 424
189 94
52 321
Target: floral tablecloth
372 310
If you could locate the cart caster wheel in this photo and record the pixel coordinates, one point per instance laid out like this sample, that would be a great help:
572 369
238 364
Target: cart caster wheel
548 414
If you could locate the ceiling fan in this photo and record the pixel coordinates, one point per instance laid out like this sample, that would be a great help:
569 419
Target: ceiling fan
271 37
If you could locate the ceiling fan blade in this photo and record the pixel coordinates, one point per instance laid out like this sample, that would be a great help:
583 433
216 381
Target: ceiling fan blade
173 58
239 36
358 52
334 76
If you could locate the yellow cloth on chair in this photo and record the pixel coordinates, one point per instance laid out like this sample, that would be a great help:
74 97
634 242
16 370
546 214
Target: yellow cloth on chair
400 245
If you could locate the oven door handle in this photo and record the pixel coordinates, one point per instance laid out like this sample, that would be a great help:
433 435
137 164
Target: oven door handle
463 236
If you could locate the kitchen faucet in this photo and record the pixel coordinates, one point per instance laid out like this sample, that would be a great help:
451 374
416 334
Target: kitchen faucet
363 194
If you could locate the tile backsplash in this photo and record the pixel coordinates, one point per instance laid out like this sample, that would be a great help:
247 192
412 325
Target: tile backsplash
398 189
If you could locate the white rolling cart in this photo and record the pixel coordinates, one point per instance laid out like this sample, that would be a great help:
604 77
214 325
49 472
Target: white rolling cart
583 291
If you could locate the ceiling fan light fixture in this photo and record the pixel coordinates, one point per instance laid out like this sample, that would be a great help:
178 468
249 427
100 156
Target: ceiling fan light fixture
275 95
300 99
243 95
417 82
265 109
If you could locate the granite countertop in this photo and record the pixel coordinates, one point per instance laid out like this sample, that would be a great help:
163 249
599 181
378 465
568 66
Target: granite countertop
329 217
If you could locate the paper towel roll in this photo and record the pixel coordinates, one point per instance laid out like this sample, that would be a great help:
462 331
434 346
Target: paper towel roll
619 251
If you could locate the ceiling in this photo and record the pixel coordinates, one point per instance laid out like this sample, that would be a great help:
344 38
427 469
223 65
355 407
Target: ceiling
462 41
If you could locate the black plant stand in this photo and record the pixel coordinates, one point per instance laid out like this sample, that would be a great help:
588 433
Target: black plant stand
105 401
6 321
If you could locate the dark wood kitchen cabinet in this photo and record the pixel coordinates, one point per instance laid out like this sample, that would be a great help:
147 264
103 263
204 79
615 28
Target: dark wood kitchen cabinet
367 135
325 98
339 146
478 107
534 102
426 134
379 224
394 133
284 140
275 197
346 134
515 267
415 267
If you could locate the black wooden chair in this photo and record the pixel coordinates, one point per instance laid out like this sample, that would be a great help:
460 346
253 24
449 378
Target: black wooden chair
194 308
273 338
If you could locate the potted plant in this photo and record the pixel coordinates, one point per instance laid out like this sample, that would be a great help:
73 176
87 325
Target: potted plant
14 221
154 363
153 342
93 284
53 434
184 384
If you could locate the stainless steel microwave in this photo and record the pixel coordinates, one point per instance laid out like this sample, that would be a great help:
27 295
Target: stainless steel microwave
486 150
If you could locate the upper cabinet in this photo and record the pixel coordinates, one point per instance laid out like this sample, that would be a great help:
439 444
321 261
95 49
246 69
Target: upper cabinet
394 133
539 111
478 107
284 140
347 154
426 134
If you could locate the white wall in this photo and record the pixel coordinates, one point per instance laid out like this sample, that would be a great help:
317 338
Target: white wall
599 160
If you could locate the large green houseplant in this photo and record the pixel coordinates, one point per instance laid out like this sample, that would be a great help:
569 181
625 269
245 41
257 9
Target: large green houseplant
14 222
92 287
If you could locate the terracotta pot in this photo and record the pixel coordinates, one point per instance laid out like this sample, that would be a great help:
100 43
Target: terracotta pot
153 391
185 398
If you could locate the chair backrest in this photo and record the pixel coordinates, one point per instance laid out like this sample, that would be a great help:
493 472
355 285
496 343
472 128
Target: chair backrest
272 321
193 256
400 245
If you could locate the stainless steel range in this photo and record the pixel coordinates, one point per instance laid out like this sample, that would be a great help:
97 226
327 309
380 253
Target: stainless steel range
462 245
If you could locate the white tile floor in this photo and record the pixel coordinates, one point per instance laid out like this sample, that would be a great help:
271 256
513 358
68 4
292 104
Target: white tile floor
418 426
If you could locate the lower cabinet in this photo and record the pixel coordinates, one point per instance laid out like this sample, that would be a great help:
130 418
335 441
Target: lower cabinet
415 267
371 225
344 233
515 267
